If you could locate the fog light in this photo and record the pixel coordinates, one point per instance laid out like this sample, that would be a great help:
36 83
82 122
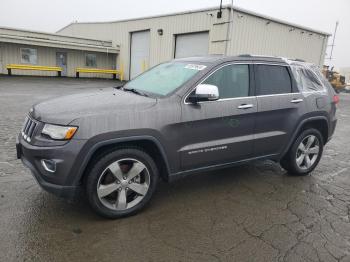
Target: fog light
49 165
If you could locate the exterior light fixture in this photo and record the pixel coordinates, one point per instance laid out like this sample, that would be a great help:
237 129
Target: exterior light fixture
219 14
160 31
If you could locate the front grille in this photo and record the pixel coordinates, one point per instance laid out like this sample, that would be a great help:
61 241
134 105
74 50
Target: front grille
28 129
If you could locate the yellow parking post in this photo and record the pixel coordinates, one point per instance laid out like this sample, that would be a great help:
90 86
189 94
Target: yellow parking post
143 66
121 76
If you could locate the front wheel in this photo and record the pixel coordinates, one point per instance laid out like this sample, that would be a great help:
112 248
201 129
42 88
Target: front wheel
305 153
121 183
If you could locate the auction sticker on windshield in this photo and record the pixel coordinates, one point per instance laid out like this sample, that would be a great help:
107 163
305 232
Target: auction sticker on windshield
195 67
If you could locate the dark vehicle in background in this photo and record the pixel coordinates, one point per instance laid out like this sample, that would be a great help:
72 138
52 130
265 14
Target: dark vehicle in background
181 117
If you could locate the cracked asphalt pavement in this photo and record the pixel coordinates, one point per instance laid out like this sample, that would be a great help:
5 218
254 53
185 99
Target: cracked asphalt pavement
253 212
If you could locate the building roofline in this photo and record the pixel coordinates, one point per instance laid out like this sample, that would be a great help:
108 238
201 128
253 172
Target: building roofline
235 8
51 34
280 21
27 37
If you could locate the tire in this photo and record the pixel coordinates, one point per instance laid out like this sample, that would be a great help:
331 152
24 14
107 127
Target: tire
299 160
116 187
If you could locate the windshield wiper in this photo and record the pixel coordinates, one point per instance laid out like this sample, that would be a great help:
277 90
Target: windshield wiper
135 91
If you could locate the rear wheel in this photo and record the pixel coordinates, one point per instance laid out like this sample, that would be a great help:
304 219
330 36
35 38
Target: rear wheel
121 183
305 153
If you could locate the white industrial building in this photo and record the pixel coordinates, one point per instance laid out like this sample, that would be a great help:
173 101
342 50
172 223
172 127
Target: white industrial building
44 49
137 44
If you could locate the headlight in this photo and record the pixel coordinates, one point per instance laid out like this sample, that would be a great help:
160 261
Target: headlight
59 132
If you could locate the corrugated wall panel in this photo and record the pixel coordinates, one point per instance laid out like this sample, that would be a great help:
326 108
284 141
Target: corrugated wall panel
253 35
248 34
162 46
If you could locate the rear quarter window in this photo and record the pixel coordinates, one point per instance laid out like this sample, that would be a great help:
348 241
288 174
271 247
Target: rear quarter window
272 79
306 79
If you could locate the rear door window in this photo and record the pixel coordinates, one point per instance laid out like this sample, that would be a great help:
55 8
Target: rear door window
272 79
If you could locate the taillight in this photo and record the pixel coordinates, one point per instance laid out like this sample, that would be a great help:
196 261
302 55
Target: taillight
336 99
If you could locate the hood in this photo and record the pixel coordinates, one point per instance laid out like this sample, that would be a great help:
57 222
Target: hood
65 109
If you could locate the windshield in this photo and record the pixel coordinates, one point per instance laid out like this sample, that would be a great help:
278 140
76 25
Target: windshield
164 78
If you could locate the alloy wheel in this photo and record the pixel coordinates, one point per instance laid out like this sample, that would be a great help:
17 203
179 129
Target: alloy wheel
307 152
123 184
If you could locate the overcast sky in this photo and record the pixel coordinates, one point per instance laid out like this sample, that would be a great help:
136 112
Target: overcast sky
49 16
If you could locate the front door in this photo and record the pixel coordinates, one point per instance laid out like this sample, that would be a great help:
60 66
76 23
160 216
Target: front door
61 61
222 131
280 107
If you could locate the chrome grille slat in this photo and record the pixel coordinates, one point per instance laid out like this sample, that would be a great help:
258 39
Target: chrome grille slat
28 129
25 124
31 129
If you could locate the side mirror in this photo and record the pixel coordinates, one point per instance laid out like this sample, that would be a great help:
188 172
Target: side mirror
204 92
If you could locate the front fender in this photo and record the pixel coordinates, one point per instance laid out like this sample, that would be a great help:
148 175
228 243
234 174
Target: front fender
94 144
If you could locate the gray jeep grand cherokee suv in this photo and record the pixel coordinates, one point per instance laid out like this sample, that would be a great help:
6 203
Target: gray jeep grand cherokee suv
180 117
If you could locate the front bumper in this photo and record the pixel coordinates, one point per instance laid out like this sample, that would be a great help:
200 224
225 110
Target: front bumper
63 182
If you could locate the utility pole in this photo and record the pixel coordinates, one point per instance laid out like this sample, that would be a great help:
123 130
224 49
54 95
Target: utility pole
334 35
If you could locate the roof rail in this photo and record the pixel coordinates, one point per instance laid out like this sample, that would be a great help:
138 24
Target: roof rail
260 56
298 60
266 56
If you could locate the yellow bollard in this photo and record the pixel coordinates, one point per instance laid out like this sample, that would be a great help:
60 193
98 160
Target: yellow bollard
121 71
143 66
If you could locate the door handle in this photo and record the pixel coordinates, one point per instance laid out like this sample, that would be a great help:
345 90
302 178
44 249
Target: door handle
245 106
296 101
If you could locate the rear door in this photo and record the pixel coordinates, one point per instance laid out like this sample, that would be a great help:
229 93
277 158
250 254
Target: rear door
61 61
218 132
280 106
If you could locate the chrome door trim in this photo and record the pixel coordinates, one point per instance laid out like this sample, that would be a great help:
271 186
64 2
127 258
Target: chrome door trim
246 106
296 101
282 94
221 100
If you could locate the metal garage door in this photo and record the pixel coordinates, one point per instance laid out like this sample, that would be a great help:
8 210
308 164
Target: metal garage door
139 57
194 44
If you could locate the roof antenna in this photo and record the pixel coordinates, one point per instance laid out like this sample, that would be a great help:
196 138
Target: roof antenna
219 14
